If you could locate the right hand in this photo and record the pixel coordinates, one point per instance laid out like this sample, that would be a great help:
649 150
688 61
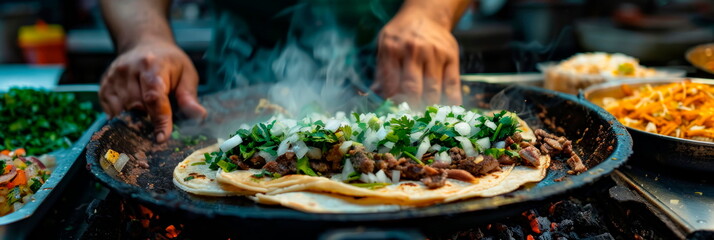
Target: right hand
142 77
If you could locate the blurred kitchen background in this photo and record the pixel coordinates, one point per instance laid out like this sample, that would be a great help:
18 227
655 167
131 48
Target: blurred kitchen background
496 36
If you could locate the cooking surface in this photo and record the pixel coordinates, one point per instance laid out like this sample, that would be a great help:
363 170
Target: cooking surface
687 200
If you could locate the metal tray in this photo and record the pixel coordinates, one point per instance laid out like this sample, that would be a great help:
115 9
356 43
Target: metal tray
17 225
679 153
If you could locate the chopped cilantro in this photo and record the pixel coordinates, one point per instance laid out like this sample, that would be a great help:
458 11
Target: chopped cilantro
303 167
226 166
186 179
198 163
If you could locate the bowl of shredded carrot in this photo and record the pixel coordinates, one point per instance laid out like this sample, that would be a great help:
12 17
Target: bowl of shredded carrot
671 120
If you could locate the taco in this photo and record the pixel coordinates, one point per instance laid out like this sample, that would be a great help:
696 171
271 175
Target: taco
370 162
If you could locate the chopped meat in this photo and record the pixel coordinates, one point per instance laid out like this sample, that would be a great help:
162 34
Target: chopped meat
554 144
320 166
235 159
517 137
546 149
568 148
506 160
531 155
525 144
576 164
285 164
457 154
509 141
334 157
478 165
274 167
431 177
436 180
462 175
383 165
362 161
256 161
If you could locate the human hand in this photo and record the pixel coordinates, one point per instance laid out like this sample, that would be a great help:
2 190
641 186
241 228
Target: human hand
418 61
142 77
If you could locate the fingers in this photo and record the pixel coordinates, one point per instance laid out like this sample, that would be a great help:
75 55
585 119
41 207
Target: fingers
452 82
186 95
412 85
433 78
154 93
388 75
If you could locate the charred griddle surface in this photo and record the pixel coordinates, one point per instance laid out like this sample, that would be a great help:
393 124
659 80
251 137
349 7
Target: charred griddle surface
601 147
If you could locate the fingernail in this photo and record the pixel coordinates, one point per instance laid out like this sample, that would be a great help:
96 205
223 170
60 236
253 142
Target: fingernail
160 137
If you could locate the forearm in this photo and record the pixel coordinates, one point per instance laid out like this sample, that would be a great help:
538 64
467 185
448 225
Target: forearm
445 12
134 21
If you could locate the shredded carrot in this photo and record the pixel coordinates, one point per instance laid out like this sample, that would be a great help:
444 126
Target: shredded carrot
683 109
20 179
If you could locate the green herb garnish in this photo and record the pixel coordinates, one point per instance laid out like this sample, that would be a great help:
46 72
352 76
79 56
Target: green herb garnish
186 179
303 167
42 121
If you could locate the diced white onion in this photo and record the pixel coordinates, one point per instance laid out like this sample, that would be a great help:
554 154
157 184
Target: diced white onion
345 146
445 158
382 177
457 110
231 143
468 117
389 145
500 144
441 114
300 149
490 125
314 153
381 134
364 178
423 147
267 156
278 129
395 176
370 141
484 143
347 169
332 125
121 162
467 146
463 128
435 147
415 136
372 178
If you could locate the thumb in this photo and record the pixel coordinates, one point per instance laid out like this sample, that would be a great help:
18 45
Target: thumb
186 95
154 93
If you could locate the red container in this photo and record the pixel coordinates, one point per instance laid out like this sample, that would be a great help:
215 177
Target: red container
43 43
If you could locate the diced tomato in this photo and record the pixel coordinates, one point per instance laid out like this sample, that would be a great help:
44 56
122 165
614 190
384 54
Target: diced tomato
7 169
20 152
20 179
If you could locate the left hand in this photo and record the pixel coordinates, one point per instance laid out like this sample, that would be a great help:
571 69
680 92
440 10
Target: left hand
418 61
